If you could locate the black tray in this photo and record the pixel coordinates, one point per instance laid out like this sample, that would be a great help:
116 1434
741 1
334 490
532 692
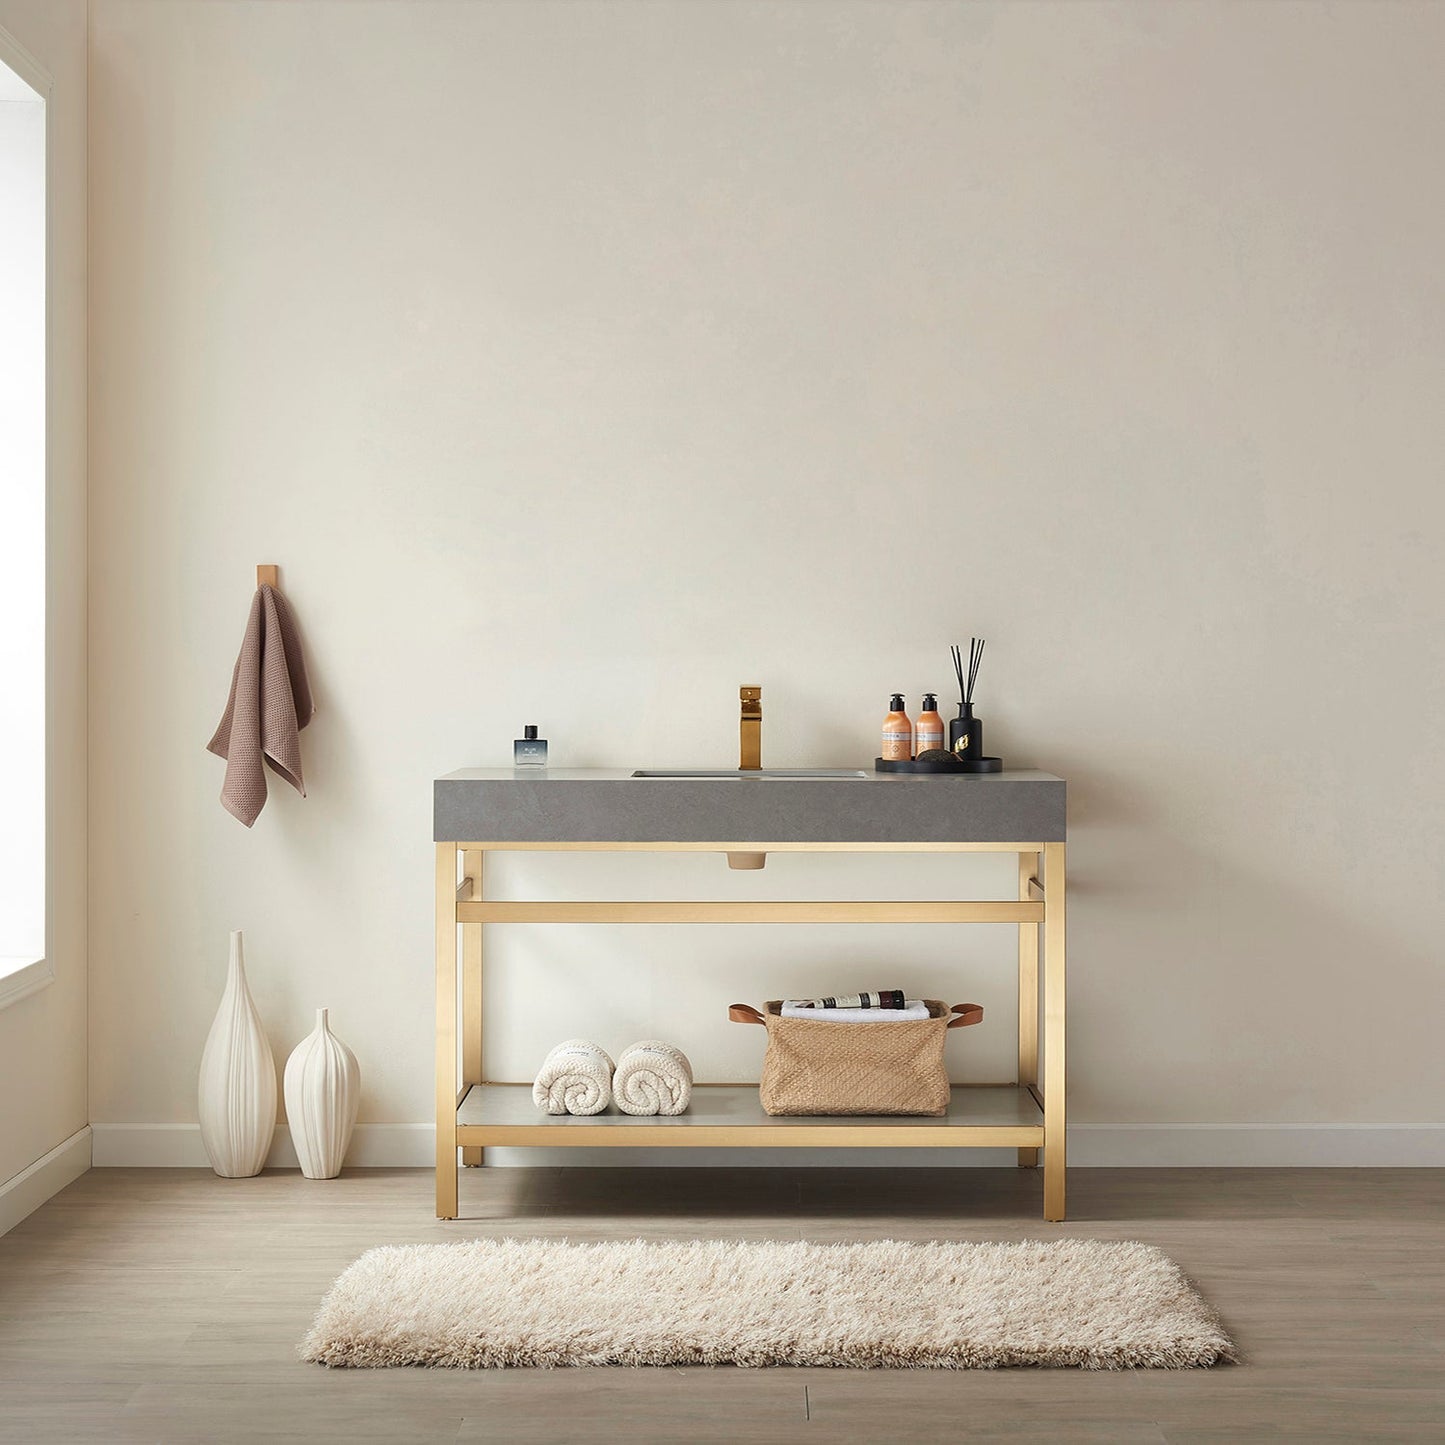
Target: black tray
959 768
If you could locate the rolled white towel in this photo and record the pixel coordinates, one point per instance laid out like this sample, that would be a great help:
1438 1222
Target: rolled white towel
575 1078
652 1078
913 1008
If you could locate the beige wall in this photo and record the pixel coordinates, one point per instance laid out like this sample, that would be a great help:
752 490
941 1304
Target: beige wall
578 362
43 1035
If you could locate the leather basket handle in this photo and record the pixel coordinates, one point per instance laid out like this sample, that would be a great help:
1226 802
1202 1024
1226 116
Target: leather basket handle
968 1013
745 1013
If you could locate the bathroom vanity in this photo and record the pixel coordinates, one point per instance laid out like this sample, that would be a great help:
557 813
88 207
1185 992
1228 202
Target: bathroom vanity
747 815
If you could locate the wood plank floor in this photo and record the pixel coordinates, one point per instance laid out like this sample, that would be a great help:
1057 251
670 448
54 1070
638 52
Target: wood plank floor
165 1305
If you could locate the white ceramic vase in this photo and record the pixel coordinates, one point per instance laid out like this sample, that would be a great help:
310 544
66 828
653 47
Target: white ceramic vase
237 1094
323 1093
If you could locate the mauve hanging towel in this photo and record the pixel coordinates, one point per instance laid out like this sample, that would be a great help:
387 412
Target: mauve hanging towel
270 703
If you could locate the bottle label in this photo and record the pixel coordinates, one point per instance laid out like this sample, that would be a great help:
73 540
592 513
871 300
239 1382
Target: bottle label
886 998
929 738
897 747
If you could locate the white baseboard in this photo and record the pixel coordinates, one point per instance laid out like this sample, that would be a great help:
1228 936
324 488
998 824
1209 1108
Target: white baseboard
1258 1146
31 1187
1215 1146
178 1146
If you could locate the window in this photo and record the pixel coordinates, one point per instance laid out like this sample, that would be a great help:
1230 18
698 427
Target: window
22 524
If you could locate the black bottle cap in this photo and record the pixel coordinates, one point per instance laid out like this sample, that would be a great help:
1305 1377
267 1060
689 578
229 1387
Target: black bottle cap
895 703
930 702
530 732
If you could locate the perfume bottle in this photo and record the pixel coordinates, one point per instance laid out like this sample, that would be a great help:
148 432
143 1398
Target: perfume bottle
529 751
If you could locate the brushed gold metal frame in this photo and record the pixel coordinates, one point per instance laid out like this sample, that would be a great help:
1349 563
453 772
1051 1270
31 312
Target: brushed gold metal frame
1039 908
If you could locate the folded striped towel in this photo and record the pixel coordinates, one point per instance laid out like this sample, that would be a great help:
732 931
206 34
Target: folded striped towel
575 1078
652 1078
913 1008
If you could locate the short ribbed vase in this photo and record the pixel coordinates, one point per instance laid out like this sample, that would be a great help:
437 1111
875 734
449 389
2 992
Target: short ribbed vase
237 1095
323 1093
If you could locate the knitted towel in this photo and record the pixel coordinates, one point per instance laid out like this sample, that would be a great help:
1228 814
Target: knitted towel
270 703
575 1078
652 1078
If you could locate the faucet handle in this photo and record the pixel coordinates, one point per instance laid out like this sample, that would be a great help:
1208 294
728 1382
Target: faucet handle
752 701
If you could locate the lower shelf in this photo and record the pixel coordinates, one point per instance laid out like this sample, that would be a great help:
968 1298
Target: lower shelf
979 1115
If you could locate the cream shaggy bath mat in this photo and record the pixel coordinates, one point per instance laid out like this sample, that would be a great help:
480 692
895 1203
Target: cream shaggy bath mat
491 1303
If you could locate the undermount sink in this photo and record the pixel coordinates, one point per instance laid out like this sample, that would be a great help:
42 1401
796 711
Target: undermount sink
740 774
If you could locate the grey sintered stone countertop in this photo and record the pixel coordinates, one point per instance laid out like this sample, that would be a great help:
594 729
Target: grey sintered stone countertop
609 805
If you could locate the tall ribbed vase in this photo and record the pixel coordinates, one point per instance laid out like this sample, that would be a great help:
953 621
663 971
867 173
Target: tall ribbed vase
323 1093
237 1095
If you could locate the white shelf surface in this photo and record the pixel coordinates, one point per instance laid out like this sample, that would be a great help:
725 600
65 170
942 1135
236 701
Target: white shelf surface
980 1115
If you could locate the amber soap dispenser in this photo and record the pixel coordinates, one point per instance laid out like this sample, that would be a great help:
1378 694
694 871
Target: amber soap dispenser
897 732
930 726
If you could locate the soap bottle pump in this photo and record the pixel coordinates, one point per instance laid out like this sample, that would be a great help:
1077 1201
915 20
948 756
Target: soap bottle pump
897 732
529 751
930 726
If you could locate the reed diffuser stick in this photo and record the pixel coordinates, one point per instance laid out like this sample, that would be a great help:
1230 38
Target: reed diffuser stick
975 656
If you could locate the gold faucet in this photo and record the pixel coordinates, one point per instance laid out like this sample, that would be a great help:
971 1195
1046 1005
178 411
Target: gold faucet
750 730
750 760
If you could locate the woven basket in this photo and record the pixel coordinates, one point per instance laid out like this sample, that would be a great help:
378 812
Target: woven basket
815 1066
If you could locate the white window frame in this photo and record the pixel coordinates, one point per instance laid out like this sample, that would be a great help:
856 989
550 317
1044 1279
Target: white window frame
22 975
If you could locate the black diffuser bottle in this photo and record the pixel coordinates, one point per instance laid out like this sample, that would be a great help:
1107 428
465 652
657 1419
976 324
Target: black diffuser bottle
965 732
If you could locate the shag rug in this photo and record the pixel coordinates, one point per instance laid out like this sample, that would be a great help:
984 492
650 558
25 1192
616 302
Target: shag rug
493 1303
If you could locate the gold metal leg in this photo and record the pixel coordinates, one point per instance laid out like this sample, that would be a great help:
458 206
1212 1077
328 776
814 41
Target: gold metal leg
472 991
1054 1145
446 926
1028 994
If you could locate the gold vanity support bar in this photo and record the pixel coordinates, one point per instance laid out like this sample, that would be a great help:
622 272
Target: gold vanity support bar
461 908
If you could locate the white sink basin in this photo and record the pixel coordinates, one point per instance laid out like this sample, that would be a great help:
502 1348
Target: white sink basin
740 774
